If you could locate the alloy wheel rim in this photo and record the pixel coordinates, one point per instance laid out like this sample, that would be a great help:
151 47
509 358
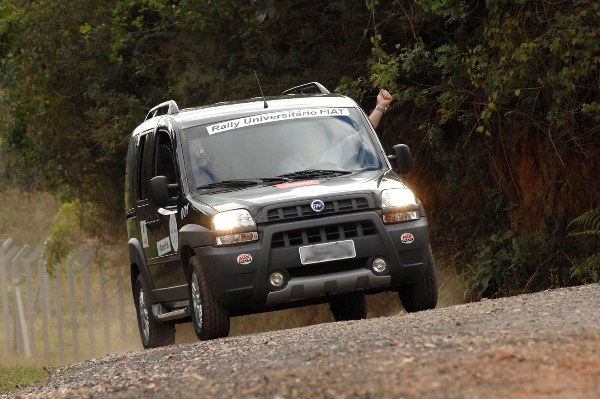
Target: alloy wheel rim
144 319
196 301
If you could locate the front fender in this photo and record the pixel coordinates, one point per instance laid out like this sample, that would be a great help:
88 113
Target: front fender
194 235
137 257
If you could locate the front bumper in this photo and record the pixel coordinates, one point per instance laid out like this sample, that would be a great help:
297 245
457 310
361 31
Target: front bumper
239 275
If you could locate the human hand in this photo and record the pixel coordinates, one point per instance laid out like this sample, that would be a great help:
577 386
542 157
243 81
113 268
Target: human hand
384 98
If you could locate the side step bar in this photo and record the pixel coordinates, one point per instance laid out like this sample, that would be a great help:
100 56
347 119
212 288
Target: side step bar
161 313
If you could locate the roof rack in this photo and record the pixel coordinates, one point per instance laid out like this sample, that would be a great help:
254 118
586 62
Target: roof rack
167 108
308 87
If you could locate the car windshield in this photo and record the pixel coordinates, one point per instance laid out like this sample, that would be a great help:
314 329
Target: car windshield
279 143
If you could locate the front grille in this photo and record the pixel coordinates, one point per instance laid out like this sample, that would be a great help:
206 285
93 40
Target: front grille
316 235
304 210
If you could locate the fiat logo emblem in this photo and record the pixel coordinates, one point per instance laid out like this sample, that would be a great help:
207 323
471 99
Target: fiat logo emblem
317 206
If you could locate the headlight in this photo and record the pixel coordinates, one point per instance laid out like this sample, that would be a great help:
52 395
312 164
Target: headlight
399 205
233 227
231 220
397 198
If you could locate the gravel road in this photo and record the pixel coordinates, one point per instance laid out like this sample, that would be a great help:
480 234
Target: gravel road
543 345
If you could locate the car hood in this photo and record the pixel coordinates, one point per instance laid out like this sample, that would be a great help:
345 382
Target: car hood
255 198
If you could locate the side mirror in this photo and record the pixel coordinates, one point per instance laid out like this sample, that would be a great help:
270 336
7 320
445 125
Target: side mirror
159 191
401 159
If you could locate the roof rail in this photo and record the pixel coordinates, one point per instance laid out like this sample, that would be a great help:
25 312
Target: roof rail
167 108
310 87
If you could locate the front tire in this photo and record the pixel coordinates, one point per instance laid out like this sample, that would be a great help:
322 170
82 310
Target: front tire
423 294
152 332
210 318
349 307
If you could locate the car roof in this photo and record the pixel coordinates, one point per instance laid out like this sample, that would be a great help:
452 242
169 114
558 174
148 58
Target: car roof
189 117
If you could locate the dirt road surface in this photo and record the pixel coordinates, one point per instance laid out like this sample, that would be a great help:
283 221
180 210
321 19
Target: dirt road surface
543 345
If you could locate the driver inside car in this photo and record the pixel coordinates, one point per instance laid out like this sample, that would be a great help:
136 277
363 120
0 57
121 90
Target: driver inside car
203 173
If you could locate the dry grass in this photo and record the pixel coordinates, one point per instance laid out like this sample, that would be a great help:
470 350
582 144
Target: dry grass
26 218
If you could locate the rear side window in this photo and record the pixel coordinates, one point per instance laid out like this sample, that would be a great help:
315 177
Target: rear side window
145 163
130 172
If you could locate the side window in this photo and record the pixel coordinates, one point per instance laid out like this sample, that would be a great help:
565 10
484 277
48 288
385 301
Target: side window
131 172
145 166
165 162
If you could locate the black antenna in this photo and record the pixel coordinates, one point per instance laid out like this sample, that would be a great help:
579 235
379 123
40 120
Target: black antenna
261 92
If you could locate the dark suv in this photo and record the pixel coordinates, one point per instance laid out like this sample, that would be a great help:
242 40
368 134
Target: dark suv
265 204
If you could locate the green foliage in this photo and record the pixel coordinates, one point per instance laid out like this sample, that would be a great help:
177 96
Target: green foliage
588 221
73 222
499 263
15 377
63 236
588 269
490 94
511 264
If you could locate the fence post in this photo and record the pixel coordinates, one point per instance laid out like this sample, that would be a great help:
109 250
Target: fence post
104 306
19 324
121 277
22 321
88 300
71 276
44 283
5 245
29 295
4 286
59 316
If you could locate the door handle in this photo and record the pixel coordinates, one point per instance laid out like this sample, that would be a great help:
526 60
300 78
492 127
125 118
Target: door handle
153 224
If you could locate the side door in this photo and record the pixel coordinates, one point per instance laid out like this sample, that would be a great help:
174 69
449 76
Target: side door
163 237
143 173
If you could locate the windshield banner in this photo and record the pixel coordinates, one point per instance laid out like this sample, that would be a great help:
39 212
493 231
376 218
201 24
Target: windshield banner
275 117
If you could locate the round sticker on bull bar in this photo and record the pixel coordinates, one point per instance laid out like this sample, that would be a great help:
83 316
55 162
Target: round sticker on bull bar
244 259
407 238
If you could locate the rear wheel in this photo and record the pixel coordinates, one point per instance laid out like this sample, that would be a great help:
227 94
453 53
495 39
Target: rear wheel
349 307
152 332
423 294
210 318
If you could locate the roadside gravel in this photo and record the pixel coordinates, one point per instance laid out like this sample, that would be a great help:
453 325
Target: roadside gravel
543 345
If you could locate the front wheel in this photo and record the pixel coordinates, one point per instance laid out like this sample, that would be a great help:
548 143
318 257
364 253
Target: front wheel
210 318
349 307
423 294
153 333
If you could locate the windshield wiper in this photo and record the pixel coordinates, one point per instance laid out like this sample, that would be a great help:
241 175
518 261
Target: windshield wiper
238 183
229 184
273 179
314 173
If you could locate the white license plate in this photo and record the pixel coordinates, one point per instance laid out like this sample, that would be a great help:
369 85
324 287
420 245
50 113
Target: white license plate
327 252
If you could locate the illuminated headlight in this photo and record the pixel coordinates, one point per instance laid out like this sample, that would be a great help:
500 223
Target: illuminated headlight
399 205
232 227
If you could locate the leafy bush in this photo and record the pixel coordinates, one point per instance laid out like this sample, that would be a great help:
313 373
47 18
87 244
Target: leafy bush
587 269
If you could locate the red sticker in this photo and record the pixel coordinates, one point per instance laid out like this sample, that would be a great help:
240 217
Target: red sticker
244 259
407 238
294 184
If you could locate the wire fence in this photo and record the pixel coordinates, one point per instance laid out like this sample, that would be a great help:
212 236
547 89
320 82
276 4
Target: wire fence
75 311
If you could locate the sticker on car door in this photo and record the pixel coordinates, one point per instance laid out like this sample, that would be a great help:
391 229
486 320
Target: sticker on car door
163 246
173 233
144 231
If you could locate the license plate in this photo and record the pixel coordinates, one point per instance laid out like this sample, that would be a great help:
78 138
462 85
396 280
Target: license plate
327 252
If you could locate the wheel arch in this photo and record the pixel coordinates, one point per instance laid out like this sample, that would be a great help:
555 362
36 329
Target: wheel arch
138 266
192 236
